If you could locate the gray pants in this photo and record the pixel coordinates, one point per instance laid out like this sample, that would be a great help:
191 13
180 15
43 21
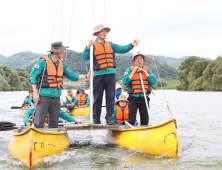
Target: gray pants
48 105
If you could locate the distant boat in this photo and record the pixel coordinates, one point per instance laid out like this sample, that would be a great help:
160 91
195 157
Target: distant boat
152 137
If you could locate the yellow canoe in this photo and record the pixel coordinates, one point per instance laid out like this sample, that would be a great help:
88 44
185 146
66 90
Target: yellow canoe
24 109
152 137
25 145
79 111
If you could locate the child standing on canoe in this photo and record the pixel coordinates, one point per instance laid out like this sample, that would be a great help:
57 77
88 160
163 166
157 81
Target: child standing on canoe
46 79
104 67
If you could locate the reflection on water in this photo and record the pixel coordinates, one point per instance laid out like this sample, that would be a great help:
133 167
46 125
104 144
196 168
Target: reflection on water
198 115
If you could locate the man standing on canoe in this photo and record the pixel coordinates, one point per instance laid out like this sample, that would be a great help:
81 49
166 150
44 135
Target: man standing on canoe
46 79
104 67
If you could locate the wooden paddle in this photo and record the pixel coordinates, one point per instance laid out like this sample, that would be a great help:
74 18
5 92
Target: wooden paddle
4 126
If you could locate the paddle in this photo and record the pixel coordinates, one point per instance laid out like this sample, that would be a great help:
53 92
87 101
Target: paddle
62 106
4 126
144 93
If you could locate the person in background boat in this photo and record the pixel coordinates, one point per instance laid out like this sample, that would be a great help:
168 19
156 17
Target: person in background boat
27 116
46 79
81 99
118 91
136 97
104 67
121 111
26 101
69 96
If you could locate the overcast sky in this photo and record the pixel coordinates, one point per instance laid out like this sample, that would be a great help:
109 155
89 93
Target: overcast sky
174 28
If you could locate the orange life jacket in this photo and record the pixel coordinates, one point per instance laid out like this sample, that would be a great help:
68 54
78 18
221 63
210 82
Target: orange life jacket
121 116
46 119
135 86
81 99
70 98
103 56
52 76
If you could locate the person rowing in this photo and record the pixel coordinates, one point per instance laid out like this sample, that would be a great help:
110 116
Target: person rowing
81 99
26 101
69 96
28 115
104 67
46 79
136 97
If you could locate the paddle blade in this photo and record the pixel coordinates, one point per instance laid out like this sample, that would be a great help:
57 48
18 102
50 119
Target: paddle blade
4 126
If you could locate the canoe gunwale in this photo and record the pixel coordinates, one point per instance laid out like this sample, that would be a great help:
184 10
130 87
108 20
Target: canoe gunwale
52 131
149 127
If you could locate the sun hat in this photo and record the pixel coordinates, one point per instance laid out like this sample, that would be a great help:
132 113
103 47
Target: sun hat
118 86
81 91
136 54
57 47
100 27
122 98
69 90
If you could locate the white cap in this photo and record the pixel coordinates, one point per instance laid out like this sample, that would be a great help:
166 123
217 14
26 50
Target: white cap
136 54
118 86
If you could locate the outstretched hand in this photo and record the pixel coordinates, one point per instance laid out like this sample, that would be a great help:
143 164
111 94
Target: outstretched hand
135 42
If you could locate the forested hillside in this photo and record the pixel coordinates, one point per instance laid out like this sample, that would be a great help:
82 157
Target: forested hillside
12 79
200 74
22 59
75 62
2 57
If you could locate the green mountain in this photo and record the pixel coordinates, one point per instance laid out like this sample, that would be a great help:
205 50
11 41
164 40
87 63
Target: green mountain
177 59
2 57
75 62
21 59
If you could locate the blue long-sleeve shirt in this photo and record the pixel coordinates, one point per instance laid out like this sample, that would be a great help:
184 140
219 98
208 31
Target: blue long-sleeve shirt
126 80
62 115
116 49
38 69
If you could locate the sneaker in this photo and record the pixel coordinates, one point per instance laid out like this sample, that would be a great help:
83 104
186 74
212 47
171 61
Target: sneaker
96 120
110 121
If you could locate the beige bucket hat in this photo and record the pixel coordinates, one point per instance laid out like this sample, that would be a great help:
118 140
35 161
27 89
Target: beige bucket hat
136 54
57 47
99 28
122 98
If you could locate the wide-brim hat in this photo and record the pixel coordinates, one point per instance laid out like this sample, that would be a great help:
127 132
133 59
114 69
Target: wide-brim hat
122 98
81 91
100 27
57 47
136 54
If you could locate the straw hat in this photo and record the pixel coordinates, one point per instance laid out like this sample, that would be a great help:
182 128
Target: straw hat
57 47
122 98
100 27
136 54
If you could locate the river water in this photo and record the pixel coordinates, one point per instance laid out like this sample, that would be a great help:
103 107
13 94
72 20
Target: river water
199 121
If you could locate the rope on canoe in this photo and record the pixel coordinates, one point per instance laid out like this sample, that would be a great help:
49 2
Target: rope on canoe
123 159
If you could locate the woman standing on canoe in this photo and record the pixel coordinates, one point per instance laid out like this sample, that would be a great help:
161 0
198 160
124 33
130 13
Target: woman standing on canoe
104 67
136 97
46 79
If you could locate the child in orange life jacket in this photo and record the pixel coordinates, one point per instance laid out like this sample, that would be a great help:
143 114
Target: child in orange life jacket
121 112
69 96
26 101
81 99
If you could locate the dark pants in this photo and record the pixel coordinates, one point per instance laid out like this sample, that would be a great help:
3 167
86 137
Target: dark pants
48 105
105 82
134 104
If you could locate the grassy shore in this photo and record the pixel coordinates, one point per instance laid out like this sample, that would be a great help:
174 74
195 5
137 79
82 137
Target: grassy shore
168 83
